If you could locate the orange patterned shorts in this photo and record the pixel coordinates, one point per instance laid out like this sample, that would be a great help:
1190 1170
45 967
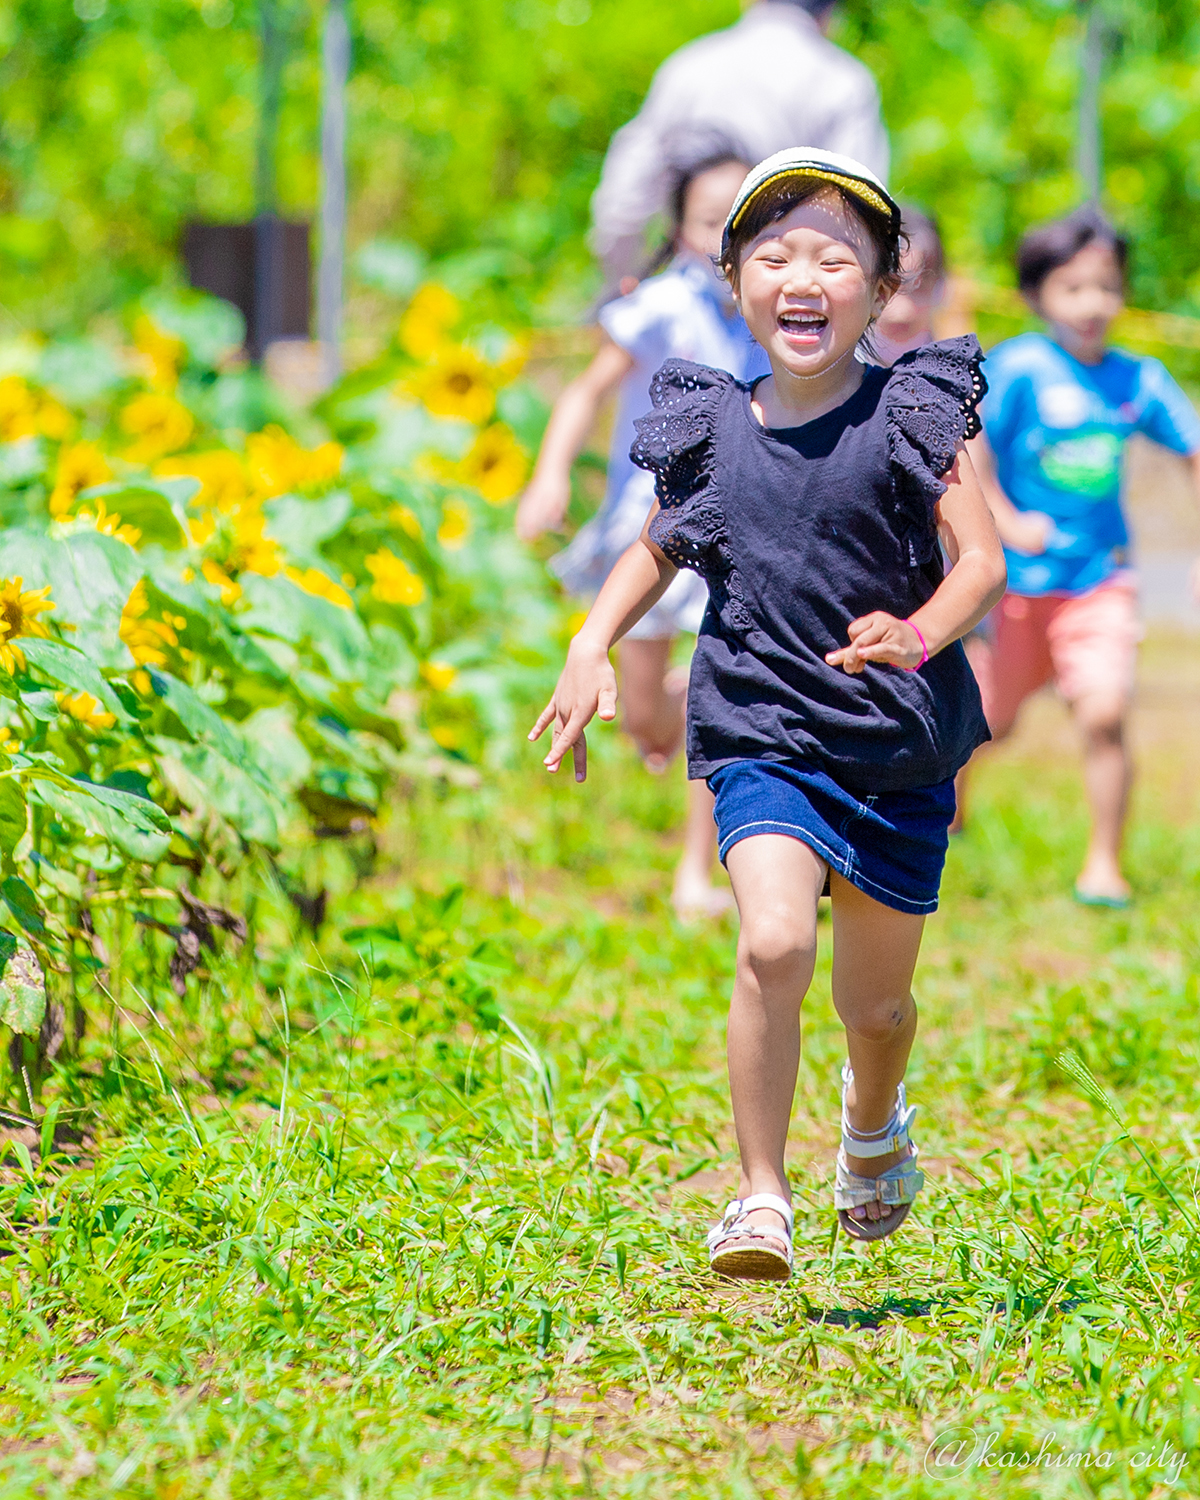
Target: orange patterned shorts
1085 643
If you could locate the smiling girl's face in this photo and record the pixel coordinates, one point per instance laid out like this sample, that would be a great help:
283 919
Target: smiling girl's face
808 287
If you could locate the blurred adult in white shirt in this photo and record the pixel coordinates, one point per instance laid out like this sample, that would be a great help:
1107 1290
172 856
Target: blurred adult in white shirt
772 80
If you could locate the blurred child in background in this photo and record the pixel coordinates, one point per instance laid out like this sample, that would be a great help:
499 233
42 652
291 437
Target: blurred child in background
907 321
686 311
1060 408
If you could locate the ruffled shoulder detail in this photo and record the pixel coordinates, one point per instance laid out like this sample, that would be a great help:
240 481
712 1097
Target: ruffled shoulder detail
685 399
932 403
676 443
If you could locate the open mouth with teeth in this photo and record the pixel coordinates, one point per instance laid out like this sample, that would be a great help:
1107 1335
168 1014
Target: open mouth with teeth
802 326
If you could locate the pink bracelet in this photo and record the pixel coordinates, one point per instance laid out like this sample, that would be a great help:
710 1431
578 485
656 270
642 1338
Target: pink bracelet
924 649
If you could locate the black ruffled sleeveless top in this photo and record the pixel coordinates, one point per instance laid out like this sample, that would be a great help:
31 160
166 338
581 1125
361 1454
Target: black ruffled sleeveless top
798 531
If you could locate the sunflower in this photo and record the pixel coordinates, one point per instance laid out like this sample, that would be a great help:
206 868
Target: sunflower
231 590
53 419
253 550
439 675
406 519
162 353
278 463
18 409
201 528
495 465
395 582
319 584
79 467
145 639
430 315
19 613
158 424
456 384
456 525
110 524
224 482
86 710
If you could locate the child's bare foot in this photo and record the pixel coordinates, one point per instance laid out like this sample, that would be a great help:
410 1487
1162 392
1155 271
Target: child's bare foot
695 898
1101 883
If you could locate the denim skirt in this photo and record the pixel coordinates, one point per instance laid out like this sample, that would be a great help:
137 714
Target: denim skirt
891 845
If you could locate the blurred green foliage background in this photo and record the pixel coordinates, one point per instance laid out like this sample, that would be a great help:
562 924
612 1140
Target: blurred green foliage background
479 126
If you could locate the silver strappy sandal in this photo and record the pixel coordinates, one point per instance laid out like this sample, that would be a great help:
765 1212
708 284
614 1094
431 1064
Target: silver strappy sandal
897 1187
752 1252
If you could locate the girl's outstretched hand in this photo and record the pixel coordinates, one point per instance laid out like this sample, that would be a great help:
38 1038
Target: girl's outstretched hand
543 505
879 637
587 687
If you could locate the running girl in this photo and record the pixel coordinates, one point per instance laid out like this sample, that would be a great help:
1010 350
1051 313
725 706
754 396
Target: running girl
830 704
687 311
1061 408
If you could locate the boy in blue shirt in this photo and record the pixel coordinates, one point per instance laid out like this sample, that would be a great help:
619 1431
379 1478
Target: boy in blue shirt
1060 408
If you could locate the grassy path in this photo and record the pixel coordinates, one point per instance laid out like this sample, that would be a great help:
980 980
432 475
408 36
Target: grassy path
419 1214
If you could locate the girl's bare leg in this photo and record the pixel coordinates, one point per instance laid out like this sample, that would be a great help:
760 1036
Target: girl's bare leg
874 955
694 894
1107 775
653 700
777 883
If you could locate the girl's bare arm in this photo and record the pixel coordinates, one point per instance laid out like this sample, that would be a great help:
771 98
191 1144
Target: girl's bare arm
544 503
973 585
588 684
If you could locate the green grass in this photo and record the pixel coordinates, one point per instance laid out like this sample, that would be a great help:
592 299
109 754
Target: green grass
420 1213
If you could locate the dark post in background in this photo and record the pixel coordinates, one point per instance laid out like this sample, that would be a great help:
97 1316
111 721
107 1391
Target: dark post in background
263 267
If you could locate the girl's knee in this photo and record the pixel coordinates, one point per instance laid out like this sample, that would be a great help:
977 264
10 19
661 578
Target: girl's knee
778 944
877 1019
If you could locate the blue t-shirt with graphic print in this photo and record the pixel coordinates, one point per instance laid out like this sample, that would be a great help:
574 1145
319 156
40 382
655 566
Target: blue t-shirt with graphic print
1058 430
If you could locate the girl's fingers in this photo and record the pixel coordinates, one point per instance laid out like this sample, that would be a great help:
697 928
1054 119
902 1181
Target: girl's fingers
873 630
543 719
847 658
558 747
579 751
564 737
865 624
607 708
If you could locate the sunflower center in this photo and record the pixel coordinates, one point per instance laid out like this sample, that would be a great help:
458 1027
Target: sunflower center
13 617
460 382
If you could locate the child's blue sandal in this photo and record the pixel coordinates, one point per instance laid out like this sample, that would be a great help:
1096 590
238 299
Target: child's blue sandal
752 1252
897 1187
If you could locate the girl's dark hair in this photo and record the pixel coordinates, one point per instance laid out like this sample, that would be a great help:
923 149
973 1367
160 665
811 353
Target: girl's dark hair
706 153
1052 245
777 201
921 234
